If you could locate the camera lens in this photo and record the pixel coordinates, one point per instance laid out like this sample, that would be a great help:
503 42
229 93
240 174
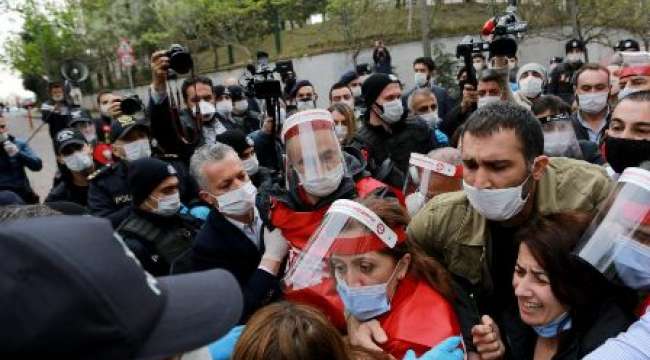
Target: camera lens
130 105
180 59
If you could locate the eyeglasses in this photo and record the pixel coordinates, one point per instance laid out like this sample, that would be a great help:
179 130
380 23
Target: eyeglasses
556 117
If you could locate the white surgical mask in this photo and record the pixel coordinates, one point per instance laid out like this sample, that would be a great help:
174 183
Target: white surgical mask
393 111
104 109
237 202
251 165
478 66
593 103
224 107
420 79
341 131
4 137
431 118
496 204
90 134
305 105
57 98
167 205
356 91
241 106
482 101
137 150
575 57
207 110
531 86
625 92
324 185
78 161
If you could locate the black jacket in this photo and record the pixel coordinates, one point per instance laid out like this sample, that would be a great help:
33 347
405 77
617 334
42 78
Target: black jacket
220 244
389 152
454 120
109 195
56 119
161 244
581 132
67 191
607 321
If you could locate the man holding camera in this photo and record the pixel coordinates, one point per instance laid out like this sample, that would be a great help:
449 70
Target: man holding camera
197 124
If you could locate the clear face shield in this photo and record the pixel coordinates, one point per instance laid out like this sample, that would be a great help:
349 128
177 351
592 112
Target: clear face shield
313 151
617 243
560 138
348 231
420 186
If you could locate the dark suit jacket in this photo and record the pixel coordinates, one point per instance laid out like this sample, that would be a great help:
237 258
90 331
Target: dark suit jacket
220 244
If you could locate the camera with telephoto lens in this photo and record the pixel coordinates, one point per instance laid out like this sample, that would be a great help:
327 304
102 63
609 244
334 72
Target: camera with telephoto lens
131 105
180 59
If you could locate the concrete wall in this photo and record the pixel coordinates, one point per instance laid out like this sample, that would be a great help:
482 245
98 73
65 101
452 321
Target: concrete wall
325 69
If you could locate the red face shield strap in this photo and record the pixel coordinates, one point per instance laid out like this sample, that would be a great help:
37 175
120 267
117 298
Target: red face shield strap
363 244
315 126
642 70
636 212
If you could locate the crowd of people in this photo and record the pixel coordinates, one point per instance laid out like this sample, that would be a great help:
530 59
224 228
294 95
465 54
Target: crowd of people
509 222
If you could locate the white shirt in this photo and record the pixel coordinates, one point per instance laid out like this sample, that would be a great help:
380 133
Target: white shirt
634 344
252 231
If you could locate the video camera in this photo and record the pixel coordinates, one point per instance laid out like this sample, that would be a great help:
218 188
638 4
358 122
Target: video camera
262 84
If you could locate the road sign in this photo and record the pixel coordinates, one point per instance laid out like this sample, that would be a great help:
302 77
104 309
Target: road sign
125 53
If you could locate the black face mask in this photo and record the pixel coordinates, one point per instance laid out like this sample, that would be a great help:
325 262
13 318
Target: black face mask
623 153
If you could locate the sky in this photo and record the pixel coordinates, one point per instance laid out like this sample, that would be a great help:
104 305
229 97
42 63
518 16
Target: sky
10 81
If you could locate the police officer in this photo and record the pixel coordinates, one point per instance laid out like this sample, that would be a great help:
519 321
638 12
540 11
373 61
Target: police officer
108 195
627 45
158 235
224 108
387 134
242 113
74 153
56 110
81 120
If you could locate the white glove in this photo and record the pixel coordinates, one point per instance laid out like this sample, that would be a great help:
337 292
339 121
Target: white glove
276 246
10 148
414 203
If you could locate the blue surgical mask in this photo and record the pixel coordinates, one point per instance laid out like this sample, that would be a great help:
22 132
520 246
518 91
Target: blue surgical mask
552 329
365 302
631 262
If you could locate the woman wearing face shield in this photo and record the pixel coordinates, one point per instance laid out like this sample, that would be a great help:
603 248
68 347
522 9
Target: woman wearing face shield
360 255
618 245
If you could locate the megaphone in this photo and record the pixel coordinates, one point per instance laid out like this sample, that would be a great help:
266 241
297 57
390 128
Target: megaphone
74 71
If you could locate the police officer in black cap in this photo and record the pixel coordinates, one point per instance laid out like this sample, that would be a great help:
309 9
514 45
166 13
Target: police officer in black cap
242 112
575 53
627 45
159 236
388 136
81 120
108 195
74 153
224 108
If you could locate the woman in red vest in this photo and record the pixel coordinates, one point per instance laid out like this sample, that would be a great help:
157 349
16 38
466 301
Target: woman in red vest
360 250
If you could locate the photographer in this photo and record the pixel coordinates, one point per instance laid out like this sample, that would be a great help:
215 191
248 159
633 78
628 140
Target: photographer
198 122
109 108
381 57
